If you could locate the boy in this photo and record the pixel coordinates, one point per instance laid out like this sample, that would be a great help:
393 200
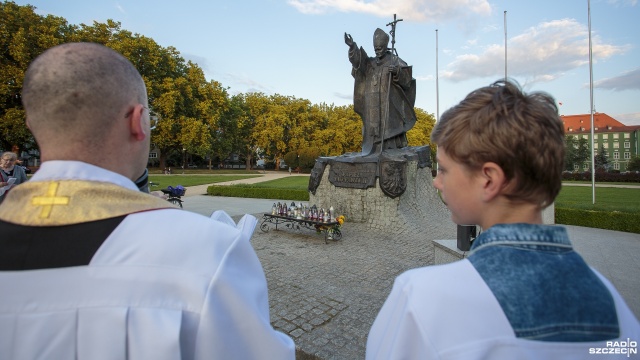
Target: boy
522 293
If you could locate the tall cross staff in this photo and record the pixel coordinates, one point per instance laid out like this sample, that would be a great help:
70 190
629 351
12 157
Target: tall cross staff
394 51
393 34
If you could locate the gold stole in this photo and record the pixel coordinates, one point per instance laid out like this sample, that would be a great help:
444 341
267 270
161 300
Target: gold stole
67 202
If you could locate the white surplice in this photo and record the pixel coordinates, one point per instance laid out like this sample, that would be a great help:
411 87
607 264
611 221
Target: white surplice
166 284
430 315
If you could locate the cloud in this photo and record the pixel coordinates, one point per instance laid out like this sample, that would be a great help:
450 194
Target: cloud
343 96
628 119
424 77
202 62
629 80
623 2
415 10
244 81
120 8
542 53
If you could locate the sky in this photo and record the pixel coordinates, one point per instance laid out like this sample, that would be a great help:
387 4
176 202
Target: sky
296 47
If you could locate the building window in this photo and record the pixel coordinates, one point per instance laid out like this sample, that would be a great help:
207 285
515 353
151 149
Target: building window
616 166
605 145
616 155
627 155
575 137
615 136
576 167
616 145
585 167
153 155
627 135
585 136
605 136
627 145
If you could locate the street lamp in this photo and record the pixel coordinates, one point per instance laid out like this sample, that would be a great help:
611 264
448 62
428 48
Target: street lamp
184 158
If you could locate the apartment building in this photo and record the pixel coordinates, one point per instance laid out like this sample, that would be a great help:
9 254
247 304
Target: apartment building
620 142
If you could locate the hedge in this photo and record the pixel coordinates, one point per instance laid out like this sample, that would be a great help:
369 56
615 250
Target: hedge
258 193
612 176
615 220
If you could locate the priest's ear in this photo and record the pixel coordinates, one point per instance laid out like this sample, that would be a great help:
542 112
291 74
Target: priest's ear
137 122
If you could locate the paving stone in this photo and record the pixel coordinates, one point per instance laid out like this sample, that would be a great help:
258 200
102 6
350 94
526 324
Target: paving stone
331 293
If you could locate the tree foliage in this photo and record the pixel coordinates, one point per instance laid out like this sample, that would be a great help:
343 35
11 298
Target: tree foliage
576 152
634 163
23 36
602 160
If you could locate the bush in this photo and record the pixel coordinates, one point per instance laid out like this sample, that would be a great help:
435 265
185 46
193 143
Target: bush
308 158
258 193
631 177
291 159
614 220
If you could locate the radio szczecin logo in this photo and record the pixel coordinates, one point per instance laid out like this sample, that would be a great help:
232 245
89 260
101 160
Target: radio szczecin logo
628 348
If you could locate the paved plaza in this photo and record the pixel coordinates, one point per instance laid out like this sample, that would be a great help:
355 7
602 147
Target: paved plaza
326 296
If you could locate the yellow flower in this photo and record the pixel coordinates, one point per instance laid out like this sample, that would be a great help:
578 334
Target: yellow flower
340 219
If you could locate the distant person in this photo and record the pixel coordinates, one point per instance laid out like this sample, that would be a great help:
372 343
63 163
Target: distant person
10 169
523 292
92 268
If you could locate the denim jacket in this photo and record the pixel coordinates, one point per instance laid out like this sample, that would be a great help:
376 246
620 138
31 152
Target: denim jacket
545 289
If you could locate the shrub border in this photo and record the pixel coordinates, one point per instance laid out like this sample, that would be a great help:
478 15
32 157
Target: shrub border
614 220
258 193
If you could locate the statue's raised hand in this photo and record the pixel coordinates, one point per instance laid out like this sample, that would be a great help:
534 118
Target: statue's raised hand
348 40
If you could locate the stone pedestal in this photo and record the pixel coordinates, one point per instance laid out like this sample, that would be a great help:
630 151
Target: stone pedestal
417 212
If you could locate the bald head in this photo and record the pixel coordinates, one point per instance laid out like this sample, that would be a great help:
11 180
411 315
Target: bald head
78 91
86 102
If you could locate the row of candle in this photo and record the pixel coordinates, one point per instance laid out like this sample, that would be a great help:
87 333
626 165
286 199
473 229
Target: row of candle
300 211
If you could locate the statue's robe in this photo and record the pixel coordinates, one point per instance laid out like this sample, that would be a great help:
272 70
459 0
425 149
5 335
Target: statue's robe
384 102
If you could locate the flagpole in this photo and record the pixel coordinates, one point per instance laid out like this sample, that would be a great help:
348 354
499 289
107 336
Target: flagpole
437 83
593 158
505 45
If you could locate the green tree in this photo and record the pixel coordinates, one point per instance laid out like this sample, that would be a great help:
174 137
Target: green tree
307 158
276 129
23 36
602 160
634 164
291 159
576 152
337 130
251 124
420 134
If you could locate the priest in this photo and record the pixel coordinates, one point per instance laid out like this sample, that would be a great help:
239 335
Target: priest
92 268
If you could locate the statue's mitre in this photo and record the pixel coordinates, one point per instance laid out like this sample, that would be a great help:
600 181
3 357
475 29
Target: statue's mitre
380 37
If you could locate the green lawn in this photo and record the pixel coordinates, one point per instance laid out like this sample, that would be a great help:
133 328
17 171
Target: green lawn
191 180
293 182
607 199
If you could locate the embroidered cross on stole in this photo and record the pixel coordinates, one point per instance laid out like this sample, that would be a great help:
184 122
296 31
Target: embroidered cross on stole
66 202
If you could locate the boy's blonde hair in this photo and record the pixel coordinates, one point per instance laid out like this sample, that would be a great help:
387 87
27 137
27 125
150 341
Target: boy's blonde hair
522 133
